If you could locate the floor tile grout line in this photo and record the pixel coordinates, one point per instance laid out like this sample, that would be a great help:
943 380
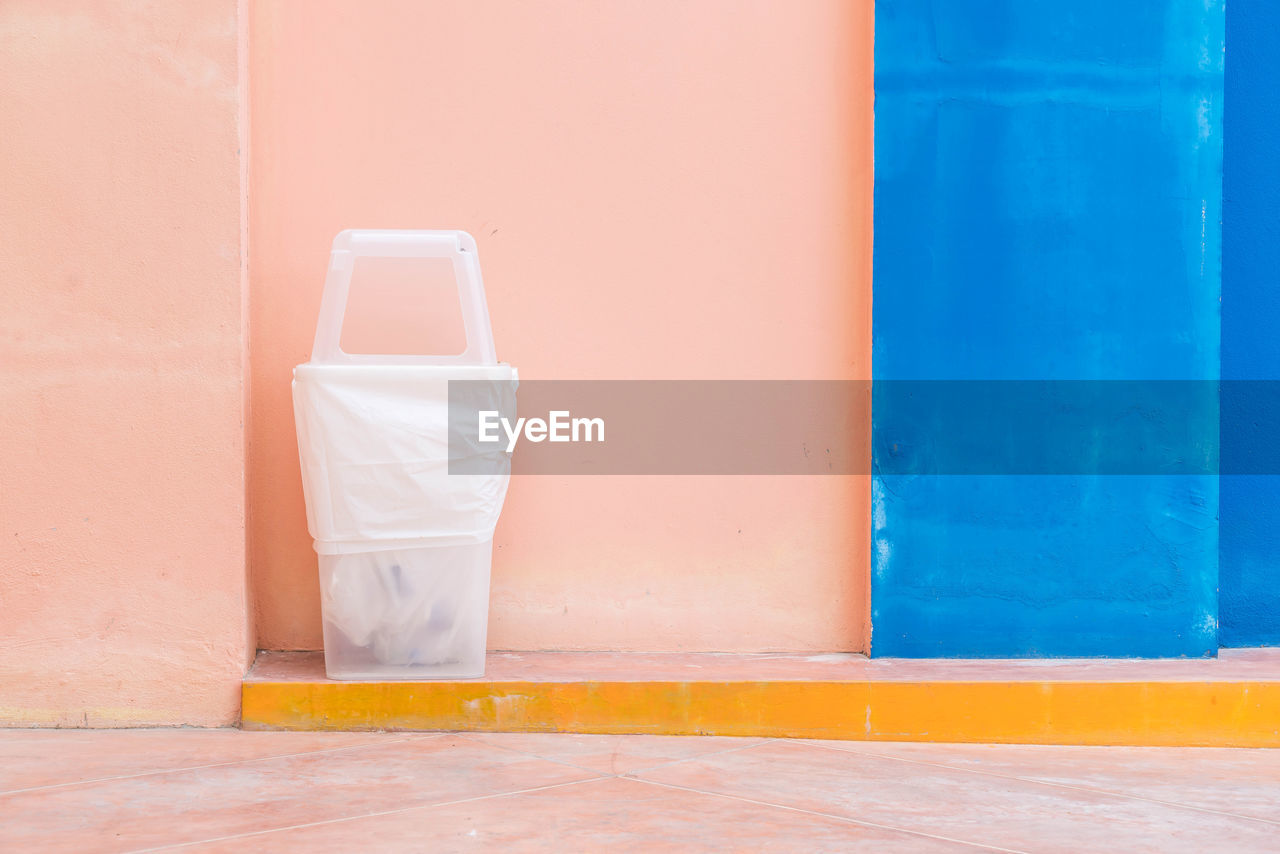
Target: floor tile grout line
1042 782
342 819
834 816
117 777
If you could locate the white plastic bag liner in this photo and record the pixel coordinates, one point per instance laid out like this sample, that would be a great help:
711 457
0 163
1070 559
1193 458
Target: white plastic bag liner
374 447
405 546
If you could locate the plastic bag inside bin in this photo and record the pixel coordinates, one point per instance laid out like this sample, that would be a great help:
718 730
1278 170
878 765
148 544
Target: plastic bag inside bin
407 607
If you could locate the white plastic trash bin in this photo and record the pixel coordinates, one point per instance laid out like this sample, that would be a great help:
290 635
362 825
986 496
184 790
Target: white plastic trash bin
404 546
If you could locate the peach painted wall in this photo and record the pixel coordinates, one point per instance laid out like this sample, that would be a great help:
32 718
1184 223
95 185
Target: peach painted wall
660 189
122 580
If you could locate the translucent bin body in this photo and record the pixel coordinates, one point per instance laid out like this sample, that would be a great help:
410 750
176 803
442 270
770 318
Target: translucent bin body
407 613
404 545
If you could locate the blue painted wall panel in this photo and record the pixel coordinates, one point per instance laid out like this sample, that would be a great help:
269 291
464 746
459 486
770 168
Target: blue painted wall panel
1250 505
1047 206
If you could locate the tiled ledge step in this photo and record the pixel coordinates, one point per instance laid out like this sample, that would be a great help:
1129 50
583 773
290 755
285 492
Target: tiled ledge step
1233 700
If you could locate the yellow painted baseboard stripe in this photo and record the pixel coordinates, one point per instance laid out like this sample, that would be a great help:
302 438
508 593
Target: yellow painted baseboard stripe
1165 713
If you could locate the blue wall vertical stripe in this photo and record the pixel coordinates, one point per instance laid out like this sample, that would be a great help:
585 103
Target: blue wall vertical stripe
1047 201
1250 505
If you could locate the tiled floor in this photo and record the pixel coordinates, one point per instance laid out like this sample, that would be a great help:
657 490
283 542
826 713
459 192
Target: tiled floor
216 790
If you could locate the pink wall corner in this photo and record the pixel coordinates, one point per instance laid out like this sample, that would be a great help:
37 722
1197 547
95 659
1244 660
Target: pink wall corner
122 580
660 189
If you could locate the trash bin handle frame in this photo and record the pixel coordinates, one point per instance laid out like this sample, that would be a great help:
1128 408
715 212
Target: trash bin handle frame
457 246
